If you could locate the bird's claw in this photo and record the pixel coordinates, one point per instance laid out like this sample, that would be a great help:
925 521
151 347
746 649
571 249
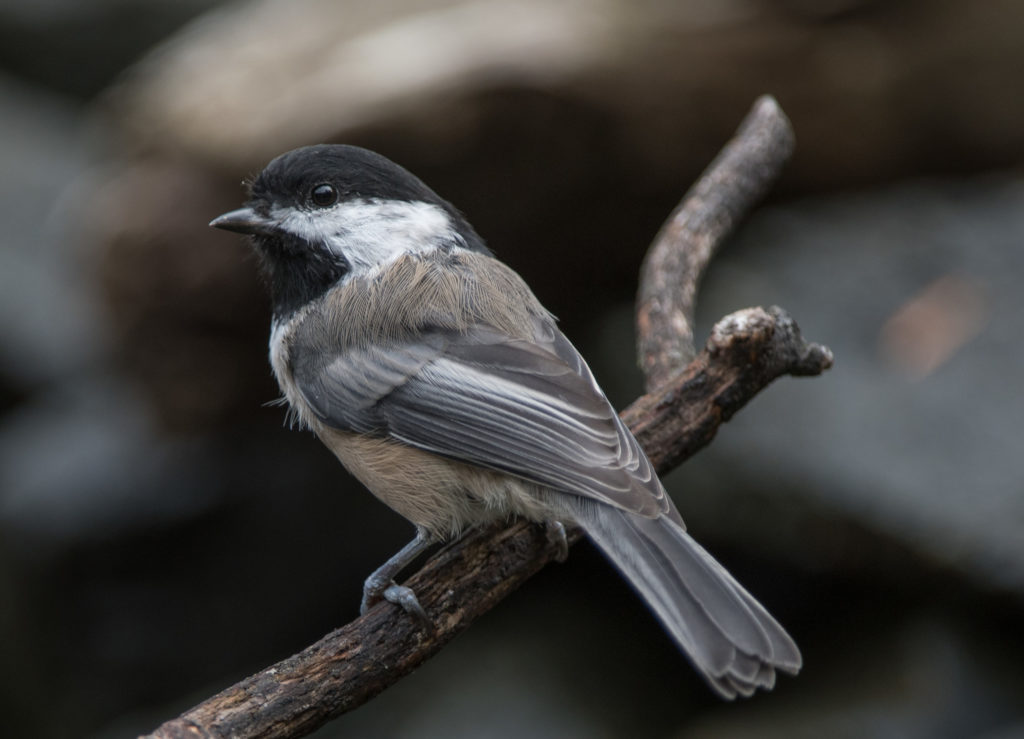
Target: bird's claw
375 591
406 598
555 532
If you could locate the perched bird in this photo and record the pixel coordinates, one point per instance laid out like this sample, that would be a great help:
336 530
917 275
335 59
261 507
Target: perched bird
438 379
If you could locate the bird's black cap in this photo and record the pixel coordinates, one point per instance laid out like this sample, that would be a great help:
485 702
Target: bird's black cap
354 171
299 271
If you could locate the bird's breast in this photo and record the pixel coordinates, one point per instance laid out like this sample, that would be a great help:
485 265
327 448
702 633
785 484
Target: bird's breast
281 334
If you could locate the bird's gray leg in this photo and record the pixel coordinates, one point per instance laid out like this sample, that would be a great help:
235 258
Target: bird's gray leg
555 531
381 584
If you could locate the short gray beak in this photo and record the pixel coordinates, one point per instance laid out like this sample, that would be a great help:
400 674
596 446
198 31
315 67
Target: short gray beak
244 221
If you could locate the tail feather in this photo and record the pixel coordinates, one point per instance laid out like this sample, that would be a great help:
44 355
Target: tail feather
730 638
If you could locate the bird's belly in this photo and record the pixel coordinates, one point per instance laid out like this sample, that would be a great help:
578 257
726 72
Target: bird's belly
437 494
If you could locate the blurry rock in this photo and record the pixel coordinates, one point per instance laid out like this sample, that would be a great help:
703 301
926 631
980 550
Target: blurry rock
927 455
223 92
565 131
875 89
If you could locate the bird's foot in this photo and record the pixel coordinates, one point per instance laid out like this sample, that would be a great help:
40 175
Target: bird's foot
377 589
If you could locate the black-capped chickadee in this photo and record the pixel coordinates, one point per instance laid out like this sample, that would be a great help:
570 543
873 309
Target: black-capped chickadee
439 380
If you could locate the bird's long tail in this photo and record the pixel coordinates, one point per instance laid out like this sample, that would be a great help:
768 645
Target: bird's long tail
730 638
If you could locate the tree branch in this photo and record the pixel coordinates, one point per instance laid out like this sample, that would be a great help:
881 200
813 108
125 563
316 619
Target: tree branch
738 177
746 351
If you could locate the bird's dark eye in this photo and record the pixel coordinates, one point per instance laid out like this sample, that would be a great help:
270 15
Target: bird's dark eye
323 195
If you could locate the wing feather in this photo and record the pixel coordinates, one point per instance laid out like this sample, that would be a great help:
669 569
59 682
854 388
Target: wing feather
527 408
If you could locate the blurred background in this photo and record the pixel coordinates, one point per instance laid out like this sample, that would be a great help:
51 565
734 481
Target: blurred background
162 534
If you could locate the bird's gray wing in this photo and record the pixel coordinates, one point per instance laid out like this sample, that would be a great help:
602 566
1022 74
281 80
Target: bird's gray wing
528 408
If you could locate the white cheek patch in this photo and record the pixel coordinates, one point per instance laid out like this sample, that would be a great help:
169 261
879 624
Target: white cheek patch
371 233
